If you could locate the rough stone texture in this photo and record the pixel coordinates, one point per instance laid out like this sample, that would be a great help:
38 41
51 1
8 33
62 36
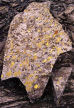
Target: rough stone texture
68 96
63 11
35 40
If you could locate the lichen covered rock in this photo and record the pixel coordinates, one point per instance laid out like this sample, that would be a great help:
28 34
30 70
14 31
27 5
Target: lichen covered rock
35 39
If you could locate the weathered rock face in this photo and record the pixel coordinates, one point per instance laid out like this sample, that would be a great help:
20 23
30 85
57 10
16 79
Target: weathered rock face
63 11
35 40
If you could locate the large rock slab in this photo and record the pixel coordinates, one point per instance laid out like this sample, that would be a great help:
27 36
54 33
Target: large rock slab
35 39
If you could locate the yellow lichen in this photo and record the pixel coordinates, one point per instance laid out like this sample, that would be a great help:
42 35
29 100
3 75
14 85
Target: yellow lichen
13 57
10 53
38 18
2 76
21 65
39 69
29 82
51 66
24 20
38 30
60 78
29 30
35 56
42 41
36 86
11 44
12 64
15 74
37 64
47 44
58 39
19 72
45 60
6 57
59 50
57 82
9 73
49 58
39 45
27 61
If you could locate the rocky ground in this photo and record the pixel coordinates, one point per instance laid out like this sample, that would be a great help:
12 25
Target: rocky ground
63 11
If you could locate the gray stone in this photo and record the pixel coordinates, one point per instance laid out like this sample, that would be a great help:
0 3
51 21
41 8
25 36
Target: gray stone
35 40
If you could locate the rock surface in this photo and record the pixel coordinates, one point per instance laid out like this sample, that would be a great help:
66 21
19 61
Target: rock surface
34 41
68 96
63 11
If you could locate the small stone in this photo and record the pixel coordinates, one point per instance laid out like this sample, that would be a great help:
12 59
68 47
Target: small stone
35 40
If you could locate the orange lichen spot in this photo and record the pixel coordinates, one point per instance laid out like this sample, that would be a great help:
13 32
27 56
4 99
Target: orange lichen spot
36 86
12 64
56 32
9 73
2 76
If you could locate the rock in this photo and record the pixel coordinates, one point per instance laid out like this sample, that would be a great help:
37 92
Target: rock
35 40
12 93
63 11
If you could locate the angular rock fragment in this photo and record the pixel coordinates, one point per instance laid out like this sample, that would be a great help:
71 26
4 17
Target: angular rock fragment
60 79
35 39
